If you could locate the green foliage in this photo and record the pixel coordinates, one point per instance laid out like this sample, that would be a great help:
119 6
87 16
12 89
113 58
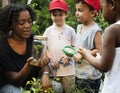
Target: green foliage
76 90
71 18
100 20
37 48
0 4
34 86
43 16
21 1
35 28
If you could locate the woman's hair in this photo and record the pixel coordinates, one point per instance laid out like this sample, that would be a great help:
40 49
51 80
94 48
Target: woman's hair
83 2
10 14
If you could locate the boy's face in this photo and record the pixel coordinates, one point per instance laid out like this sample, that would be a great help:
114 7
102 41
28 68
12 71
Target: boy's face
83 13
58 17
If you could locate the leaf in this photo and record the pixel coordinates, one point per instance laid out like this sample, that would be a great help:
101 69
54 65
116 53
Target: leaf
27 91
34 79
28 82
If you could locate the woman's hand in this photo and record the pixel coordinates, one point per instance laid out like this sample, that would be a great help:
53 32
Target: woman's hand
45 81
77 57
33 62
38 63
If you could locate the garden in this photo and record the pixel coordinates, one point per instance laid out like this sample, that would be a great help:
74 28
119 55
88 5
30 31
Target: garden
42 22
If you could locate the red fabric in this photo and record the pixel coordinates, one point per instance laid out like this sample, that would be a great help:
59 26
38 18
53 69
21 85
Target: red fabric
94 3
58 4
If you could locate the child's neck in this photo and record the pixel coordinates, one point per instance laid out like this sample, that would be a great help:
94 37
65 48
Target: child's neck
86 25
59 26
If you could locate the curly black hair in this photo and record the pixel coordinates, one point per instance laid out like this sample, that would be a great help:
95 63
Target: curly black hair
10 13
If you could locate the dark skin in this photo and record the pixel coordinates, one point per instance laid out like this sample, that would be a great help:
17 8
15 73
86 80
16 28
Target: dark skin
22 31
19 38
111 38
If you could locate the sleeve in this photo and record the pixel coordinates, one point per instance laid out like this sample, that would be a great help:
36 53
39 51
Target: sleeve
77 31
4 66
46 34
78 28
92 36
1 66
73 38
46 31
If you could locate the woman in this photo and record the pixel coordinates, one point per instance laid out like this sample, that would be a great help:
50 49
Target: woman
16 64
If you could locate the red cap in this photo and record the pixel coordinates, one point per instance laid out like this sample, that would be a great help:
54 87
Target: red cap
58 4
94 3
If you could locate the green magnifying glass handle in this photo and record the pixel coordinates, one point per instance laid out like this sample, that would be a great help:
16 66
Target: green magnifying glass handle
80 61
71 54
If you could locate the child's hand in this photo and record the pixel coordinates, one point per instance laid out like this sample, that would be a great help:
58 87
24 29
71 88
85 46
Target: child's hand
65 60
54 64
77 57
43 62
98 55
84 52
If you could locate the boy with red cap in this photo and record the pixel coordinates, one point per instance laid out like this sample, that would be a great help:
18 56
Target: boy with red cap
59 35
89 37
110 51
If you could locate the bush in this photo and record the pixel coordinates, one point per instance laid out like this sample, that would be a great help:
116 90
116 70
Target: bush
34 86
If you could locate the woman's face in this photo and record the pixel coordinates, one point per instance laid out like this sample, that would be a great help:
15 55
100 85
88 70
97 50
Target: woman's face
22 28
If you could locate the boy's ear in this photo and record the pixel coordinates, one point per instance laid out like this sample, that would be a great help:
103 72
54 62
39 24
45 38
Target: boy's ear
93 13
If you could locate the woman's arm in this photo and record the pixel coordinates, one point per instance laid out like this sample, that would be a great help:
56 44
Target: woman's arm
45 80
17 78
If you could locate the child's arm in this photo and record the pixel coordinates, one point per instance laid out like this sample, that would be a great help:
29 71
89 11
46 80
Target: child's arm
97 43
94 51
53 62
49 55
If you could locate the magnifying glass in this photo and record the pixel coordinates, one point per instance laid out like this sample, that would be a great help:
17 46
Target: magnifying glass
70 51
